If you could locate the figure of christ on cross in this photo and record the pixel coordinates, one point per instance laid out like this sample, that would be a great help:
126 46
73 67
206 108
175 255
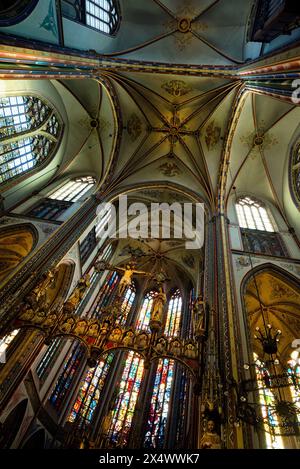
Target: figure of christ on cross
126 279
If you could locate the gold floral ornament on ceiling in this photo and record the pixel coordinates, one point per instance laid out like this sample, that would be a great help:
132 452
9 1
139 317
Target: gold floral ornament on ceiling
184 25
169 169
280 290
134 127
176 88
259 140
212 135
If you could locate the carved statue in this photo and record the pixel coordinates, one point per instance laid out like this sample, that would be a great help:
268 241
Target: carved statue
161 346
93 330
128 339
78 293
210 439
80 327
141 341
104 329
26 313
38 297
175 348
39 317
50 320
198 316
67 325
126 279
159 302
115 335
190 351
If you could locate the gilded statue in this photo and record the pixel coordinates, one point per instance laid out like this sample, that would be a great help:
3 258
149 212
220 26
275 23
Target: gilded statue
198 316
210 439
78 293
38 297
126 278
159 302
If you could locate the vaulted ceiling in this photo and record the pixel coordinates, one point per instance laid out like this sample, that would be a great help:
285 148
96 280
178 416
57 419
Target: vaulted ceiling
181 32
149 130
281 305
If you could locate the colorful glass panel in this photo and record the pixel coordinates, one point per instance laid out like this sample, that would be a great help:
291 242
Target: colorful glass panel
267 402
49 358
89 394
172 326
107 292
67 376
145 313
127 304
126 399
160 402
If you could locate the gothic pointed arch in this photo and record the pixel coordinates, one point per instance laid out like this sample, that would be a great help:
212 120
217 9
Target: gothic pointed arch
12 424
13 12
30 133
16 243
36 440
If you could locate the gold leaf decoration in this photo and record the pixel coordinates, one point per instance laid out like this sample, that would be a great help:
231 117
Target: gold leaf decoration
134 127
176 88
212 135
169 169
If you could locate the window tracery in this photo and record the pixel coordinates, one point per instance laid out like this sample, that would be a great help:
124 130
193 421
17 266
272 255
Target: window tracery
252 214
29 134
102 15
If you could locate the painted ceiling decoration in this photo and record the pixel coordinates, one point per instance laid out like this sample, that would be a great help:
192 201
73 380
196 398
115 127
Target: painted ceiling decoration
214 28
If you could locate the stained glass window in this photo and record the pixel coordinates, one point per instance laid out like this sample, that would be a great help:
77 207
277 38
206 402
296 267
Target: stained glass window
172 326
48 209
181 409
252 214
89 393
294 370
267 402
127 304
107 253
160 401
49 358
126 400
295 173
102 15
145 313
88 245
29 133
130 383
73 190
107 293
91 386
67 376
103 225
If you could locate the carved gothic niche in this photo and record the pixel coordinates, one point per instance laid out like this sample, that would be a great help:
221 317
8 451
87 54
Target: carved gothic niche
16 242
58 291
